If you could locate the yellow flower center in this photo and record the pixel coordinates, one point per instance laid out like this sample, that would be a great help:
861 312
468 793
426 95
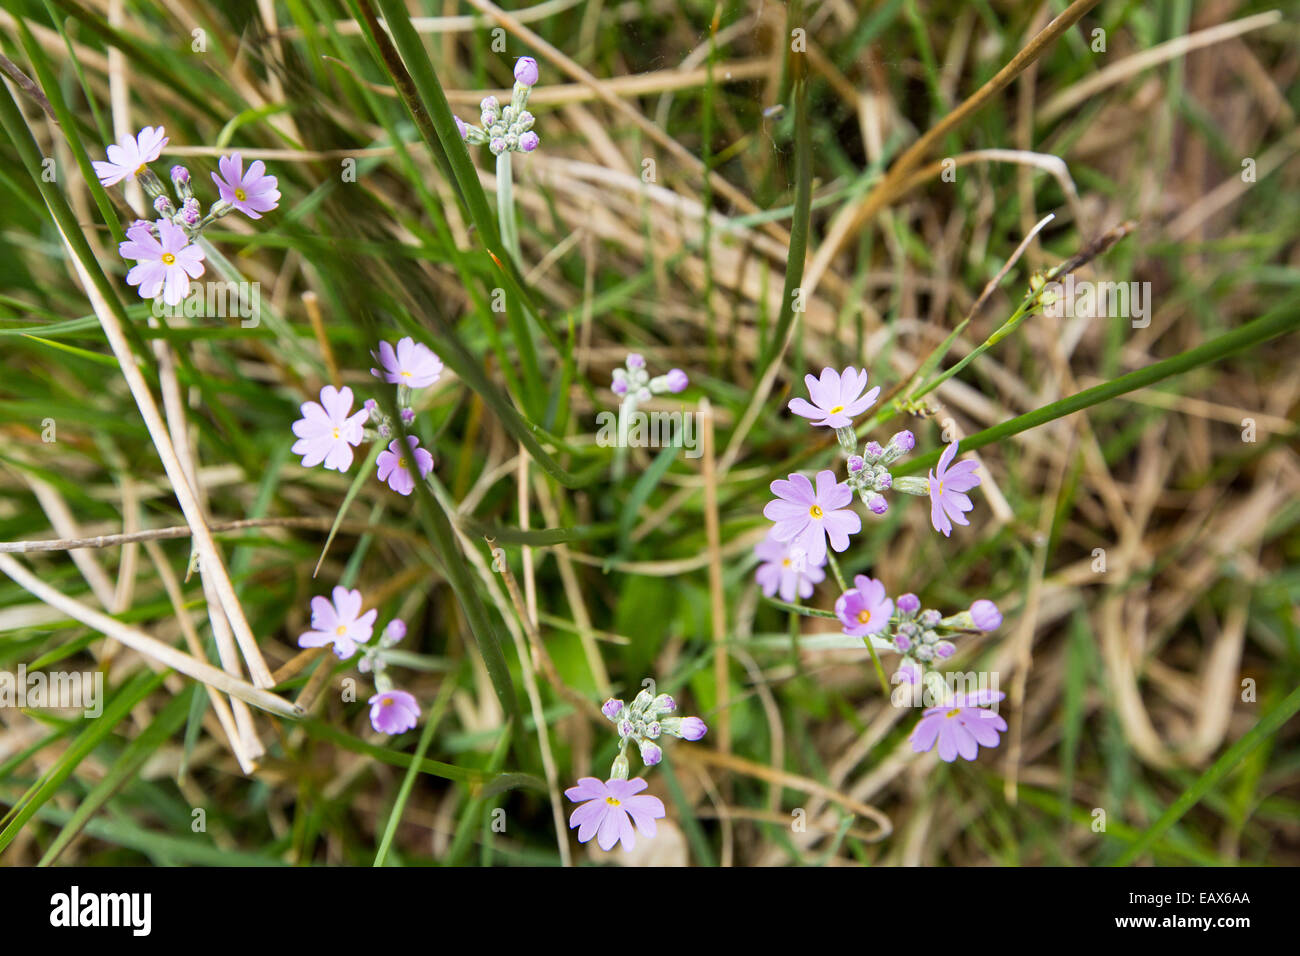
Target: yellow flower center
386 702
786 562
341 630
816 511
953 713
837 408
336 433
612 801
406 374
139 169
401 463
864 616
168 259
941 488
240 195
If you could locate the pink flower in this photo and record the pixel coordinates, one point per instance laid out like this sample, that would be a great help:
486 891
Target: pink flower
961 727
864 609
338 623
412 363
836 398
394 466
326 432
393 712
165 263
947 487
786 569
807 517
253 192
127 159
607 808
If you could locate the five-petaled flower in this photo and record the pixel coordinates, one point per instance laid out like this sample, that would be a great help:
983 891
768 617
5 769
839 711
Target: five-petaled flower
864 609
836 398
395 467
327 432
412 364
164 263
785 568
807 517
961 726
609 808
947 490
252 192
128 159
393 712
339 623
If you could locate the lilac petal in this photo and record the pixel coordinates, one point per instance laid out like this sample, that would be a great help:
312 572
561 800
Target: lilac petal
626 789
782 510
982 731
609 832
947 742
587 788
801 407
924 735
966 745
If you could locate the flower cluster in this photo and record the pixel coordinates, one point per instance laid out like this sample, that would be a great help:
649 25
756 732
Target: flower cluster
329 430
633 383
164 251
510 129
812 518
609 809
338 622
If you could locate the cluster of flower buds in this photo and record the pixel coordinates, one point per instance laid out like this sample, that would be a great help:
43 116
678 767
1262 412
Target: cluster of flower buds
869 473
645 721
373 657
633 383
922 636
508 129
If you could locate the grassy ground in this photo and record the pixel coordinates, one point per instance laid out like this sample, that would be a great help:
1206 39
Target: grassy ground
748 192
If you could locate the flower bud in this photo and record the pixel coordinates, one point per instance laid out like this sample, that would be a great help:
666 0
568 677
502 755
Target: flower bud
902 643
635 360
663 704
180 175
856 464
526 71
692 728
873 450
619 770
908 603
676 379
395 631
877 504
985 615
945 649
611 708
650 753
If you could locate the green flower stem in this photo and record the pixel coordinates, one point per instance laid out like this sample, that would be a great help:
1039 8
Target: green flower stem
506 206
